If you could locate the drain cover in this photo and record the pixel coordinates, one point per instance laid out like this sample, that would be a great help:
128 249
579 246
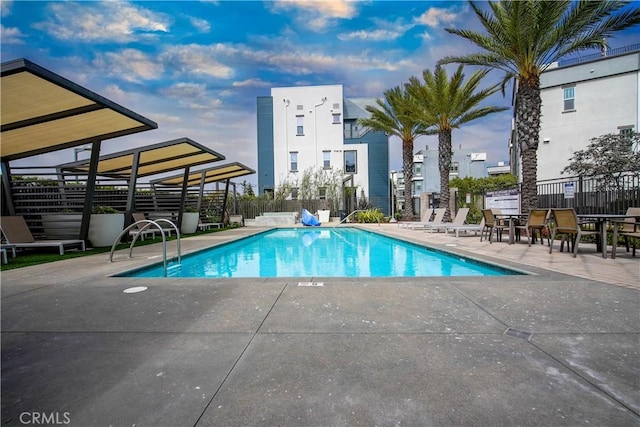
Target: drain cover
518 334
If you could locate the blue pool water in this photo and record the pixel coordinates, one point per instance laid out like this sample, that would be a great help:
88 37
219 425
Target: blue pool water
303 252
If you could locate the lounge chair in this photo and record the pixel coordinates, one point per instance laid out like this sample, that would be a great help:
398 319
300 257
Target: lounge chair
491 224
459 219
629 229
426 216
438 214
538 219
466 228
205 225
570 228
149 231
17 233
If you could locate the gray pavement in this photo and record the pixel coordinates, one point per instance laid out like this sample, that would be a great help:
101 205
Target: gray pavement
371 352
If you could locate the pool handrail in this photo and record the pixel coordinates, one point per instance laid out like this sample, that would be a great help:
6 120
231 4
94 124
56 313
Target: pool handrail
148 223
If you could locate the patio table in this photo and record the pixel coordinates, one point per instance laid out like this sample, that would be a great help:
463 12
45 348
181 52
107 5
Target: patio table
512 219
602 221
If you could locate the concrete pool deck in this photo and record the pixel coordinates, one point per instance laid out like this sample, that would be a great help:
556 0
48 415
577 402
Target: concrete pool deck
558 347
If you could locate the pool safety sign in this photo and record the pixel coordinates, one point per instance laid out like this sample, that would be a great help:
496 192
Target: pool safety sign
569 190
508 201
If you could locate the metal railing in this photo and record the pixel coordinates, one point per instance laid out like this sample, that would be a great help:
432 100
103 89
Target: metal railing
148 223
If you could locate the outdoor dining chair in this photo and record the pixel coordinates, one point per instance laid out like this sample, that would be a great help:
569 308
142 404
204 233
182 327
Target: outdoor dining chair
567 225
491 225
629 228
536 221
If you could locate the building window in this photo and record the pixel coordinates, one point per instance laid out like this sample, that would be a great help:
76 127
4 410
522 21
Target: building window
326 159
299 125
322 192
569 95
350 161
417 169
417 187
294 193
336 118
455 166
350 130
293 163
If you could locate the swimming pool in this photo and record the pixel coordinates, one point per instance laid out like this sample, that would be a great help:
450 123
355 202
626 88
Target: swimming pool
335 252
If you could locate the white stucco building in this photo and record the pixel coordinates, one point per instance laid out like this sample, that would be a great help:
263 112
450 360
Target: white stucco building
583 99
316 127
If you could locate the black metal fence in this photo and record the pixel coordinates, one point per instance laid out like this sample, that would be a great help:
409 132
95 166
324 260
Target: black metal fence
588 195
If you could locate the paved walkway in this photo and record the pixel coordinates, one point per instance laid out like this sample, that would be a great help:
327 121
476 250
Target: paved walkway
558 347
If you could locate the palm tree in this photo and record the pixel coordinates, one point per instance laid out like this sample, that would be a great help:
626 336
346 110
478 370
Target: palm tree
395 115
522 39
448 104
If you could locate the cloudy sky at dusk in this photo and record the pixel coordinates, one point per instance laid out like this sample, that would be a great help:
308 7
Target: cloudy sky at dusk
196 67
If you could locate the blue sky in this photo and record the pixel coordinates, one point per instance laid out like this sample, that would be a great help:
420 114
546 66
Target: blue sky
196 67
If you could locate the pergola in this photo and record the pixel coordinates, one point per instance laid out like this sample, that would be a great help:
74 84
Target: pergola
206 176
163 157
43 112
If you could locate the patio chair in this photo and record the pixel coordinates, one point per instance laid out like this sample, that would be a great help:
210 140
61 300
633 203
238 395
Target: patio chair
537 220
17 233
491 224
426 217
459 219
205 225
149 231
567 225
629 228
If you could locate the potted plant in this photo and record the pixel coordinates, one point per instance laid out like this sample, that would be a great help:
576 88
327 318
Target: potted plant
105 226
190 219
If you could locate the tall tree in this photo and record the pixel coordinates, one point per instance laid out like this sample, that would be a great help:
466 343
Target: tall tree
396 116
523 38
446 104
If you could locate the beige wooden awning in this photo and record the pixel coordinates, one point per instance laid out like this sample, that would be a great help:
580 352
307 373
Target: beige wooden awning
151 159
206 176
44 112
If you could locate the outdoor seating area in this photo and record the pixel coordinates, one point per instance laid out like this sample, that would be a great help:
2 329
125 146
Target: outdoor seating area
558 226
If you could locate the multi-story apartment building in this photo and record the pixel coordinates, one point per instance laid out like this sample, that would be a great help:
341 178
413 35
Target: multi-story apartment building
583 98
315 127
425 183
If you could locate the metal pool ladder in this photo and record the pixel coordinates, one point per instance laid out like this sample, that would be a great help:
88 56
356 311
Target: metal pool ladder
149 223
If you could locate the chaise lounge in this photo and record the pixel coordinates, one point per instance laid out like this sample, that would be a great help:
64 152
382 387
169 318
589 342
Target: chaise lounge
17 233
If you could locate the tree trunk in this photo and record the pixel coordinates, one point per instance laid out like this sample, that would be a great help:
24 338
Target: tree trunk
528 108
407 166
444 164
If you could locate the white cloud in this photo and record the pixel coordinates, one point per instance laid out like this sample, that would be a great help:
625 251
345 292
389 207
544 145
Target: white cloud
197 59
129 64
372 35
11 35
105 21
435 17
317 15
185 90
202 25
5 7
252 83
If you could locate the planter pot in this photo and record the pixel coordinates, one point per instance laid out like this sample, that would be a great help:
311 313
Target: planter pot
61 226
189 222
105 228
